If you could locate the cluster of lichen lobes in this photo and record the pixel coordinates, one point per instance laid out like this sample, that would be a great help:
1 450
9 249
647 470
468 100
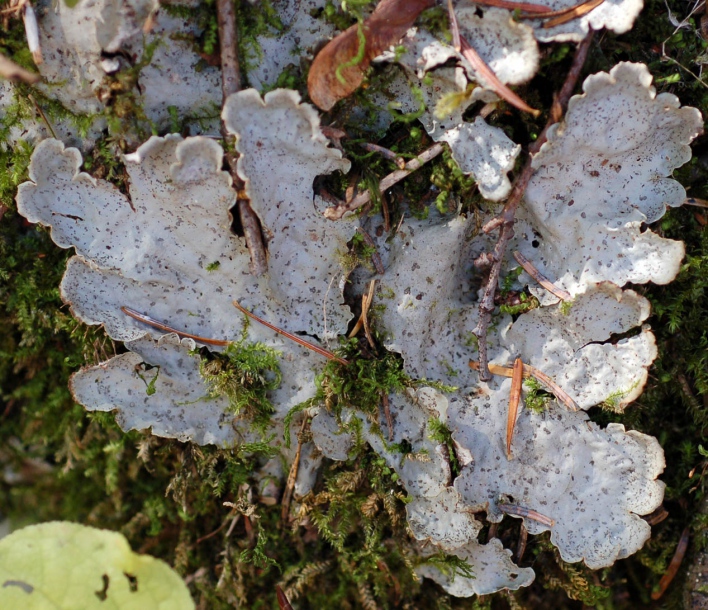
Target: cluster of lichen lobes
101 467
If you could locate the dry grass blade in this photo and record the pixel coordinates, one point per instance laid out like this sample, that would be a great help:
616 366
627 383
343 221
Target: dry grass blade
483 70
315 348
11 71
517 378
136 315
530 268
337 212
339 68
673 566
530 371
546 14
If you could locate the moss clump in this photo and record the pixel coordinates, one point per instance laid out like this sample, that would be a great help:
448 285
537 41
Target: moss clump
244 372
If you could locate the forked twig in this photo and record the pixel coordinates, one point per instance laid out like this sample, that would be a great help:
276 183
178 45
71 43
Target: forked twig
508 214
231 83
145 319
530 371
335 213
299 340
530 268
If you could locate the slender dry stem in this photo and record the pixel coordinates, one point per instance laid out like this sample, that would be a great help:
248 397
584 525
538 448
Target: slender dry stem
335 213
231 83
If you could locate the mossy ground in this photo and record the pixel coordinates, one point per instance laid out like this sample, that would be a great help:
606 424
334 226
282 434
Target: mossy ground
168 497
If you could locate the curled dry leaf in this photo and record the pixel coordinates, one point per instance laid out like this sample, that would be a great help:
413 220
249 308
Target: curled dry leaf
339 68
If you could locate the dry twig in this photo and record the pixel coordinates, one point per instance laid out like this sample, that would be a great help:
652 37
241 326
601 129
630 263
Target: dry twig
530 268
507 217
385 153
231 83
335 213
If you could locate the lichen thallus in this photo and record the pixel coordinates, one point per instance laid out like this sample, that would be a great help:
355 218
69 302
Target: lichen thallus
145 319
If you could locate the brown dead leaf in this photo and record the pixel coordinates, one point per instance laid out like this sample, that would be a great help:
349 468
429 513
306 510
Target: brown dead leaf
339 68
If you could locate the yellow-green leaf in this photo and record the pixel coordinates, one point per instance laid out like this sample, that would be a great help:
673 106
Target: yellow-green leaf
64 566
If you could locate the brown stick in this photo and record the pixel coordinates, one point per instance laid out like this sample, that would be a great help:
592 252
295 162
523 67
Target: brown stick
508 214
231 83
530 268
335 213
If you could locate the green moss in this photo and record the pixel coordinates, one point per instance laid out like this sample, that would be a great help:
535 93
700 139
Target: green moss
244 372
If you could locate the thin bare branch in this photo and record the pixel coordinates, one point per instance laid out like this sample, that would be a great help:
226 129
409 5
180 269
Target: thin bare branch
530 268
385 153
335 213
508 214
231 83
